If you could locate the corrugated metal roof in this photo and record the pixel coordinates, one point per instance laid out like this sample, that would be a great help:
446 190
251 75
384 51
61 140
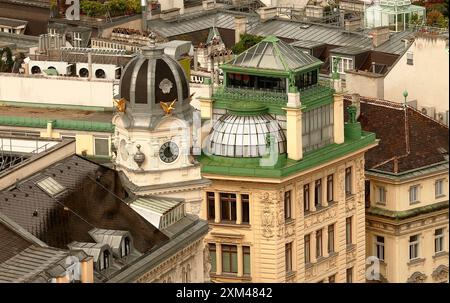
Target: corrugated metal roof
348 50
272 53
156 204
30 263
306 44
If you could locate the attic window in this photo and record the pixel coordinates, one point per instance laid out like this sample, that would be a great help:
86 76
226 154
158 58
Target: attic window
126 247
409 58
51 186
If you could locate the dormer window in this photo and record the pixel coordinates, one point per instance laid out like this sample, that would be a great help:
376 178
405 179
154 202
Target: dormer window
104 260
126 247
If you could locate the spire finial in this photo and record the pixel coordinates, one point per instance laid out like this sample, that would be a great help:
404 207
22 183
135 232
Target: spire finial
152 40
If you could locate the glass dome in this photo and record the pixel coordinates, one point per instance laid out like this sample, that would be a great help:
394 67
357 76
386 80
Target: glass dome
245 136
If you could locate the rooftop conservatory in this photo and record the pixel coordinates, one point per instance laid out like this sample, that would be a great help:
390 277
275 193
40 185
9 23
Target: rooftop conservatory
271 66
396 14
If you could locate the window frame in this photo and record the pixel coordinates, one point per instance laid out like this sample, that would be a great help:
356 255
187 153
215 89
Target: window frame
439 238
232 251
441 187
414 189
107 144
380 247
348 180
228 201
306 197
245 214
307 248
319 243
318 193
210 214
414 245
381 195
288 205
331 239
349 230
330 188
288 254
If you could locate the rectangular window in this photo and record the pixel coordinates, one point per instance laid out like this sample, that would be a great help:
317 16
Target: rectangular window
379 247
414 194
229 258
306 197
101 147
414 247
348 181
350 275
246 252
318 193
348 230
332 279
319 243
439 240
343 64
287 205
228 207
307 249
409 58
439 188
381 195
211 205
330 188
213 256
245 208
288 257
331 238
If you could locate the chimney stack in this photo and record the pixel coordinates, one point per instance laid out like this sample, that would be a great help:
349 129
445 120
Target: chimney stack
240 27
380 35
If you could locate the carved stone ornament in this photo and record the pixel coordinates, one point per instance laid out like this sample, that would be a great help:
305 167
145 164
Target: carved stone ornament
417 277
139 157
440 273
166 85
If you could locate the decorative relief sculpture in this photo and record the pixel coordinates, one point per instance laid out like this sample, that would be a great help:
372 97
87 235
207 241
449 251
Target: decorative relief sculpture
165 85
266 215
417 277
207 263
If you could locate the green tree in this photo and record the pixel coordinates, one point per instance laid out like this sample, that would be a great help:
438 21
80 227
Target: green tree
245 43
6 60
92 8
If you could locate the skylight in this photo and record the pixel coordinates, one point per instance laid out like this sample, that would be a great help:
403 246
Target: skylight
51 186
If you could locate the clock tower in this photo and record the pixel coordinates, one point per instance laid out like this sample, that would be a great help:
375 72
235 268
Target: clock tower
153 135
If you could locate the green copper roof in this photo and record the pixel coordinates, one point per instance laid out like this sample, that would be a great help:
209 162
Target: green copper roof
57 124
272 54
213 33
247 108
228 166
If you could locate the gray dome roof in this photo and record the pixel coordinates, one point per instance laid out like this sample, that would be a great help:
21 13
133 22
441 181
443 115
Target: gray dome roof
245 136
153 77
148 79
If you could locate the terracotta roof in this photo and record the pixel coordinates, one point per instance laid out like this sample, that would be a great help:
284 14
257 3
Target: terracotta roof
93 198
410 138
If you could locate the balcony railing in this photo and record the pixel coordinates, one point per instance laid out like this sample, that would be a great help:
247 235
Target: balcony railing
251 94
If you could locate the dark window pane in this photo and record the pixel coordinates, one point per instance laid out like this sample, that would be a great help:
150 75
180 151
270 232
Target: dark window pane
245 209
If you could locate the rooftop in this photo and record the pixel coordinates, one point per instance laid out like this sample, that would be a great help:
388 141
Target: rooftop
12 22
38 117
275 55
408 139
93 198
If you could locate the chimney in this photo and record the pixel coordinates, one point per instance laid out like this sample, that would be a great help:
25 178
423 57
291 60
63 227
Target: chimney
356 101
395 165
267 13
380 35
240 27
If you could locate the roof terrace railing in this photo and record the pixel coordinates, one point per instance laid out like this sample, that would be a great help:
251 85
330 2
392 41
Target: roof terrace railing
251 94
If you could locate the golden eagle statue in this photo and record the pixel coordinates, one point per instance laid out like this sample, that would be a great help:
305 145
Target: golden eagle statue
168 108
120 104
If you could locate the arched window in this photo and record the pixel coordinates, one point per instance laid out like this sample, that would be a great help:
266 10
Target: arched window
118 73
100 73
51 67
105 260
84 72
35 70
126 247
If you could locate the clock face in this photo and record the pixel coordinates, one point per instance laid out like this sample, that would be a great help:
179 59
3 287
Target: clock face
169 152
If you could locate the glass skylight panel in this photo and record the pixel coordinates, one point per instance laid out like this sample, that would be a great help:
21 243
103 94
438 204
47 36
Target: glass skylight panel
51 186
